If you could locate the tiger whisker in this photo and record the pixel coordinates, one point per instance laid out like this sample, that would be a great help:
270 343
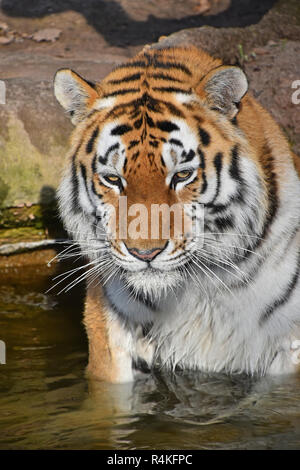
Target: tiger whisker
226 270
70 273
197 261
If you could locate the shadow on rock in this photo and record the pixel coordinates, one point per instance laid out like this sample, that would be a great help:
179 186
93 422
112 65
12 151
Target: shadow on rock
49 212
117 27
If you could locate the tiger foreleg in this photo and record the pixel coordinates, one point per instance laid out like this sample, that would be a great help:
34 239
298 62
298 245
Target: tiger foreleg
116 354
287 360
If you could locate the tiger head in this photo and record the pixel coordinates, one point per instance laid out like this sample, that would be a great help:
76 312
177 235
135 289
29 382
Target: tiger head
161 129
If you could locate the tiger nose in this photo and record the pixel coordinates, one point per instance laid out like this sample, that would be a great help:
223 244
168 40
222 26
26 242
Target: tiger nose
145 255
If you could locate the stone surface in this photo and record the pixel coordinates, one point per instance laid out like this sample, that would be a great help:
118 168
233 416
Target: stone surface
34 130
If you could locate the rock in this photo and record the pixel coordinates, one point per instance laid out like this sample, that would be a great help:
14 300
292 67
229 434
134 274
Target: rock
34 129
271 79
202 7
281 22
33 140
4 40
3 26
48 34
260 51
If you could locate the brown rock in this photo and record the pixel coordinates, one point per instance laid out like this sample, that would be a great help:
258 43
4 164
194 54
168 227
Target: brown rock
202 7
4 40
3 26
48 35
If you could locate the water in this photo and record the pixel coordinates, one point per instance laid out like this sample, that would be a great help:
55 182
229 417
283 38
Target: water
46 401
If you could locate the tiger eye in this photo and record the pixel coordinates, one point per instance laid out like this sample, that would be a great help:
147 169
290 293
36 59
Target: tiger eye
112 178
183 174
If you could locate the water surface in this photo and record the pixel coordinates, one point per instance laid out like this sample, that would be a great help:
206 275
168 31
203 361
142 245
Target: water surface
46 401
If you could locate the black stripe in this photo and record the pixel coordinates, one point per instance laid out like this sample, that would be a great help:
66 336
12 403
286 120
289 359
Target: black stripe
90 144
151 103
217 208
119 107
103 159
218 167
134 114
223 223
133 143
137 63
173 109
121 92
83 174
163 76
202 159
172 65
109 150
167 126
128 78
149 121
92 84
187 157
94 164
125 165
138 123
135 156
154 143
171 89
204 136
202 166
74 180
283 299
120 130
234 170
175 142
204 183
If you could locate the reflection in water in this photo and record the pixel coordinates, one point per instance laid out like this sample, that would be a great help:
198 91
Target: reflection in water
46 401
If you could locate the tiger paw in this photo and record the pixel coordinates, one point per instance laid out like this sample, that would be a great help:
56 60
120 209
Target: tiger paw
295 350
144 348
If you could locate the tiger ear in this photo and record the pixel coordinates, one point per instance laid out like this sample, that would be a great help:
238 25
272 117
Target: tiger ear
223 88
75 94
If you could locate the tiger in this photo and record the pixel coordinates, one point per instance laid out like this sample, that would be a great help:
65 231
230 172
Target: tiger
177 126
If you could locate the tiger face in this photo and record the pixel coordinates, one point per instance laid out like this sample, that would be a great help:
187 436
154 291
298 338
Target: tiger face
160 131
